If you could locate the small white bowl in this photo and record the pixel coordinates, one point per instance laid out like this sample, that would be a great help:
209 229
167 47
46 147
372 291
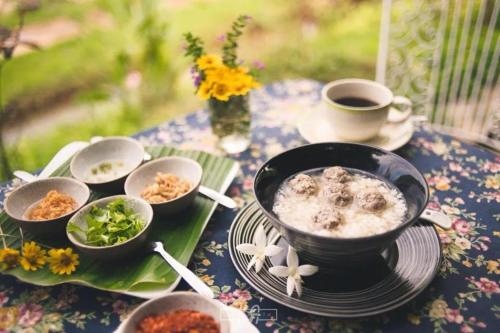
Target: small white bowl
177 301
120 148
183 167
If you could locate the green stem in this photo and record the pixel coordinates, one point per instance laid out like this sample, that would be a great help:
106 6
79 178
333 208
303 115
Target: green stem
4 162
4 243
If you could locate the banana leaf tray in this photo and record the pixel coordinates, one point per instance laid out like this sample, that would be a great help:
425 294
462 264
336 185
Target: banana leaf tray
145 275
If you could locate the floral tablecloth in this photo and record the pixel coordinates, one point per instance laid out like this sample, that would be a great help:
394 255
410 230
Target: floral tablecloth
464 182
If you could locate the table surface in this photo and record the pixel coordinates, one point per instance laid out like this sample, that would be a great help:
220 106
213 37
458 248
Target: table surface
464 181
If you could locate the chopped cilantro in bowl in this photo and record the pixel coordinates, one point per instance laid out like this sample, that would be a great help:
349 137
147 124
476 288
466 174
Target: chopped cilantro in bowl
111 228
112 224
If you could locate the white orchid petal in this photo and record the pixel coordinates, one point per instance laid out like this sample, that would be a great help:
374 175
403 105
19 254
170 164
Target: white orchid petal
290 285
258 265
281 271
247 248
272 250
251 263
298 287
260 238
307 270
292 260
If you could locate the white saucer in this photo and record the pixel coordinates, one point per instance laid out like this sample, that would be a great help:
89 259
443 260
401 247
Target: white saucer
392 136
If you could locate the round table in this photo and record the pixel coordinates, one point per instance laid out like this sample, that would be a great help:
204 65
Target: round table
464 181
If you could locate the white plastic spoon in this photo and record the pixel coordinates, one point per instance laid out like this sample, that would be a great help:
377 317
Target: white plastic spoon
188 276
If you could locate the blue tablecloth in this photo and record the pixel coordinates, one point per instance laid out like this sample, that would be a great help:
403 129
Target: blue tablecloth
464 182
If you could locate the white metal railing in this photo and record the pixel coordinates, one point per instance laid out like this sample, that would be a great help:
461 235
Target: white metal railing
444 56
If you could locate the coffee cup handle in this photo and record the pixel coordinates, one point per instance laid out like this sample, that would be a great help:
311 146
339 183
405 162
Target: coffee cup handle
395 114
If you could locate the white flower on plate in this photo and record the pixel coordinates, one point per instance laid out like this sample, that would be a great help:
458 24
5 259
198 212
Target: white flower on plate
293 272
259 249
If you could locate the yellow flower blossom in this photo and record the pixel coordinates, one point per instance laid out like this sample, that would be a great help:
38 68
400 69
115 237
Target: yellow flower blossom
63 261
240 70
8 317
240 89
222 82
33 257
206 262
438 309
221 92
217 75
492 266
208 61
9 258
496 233
205 90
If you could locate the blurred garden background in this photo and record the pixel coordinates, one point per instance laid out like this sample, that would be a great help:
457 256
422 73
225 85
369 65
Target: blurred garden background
73 69
113 67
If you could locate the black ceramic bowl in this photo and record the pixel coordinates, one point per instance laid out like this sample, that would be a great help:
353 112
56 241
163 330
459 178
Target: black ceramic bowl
322 250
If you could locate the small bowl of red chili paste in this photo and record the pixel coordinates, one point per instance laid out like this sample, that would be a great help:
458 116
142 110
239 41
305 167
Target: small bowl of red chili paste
188 321
179 312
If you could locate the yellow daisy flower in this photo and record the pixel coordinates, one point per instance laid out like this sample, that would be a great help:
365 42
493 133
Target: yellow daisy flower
208 61
241 89
33 257
253 83
63 261
217 75
240 70
221 92
9 258
205 90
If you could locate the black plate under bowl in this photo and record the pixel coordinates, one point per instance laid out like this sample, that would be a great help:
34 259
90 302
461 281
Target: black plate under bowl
398 275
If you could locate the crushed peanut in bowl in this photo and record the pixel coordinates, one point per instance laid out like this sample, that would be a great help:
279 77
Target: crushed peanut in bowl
167 187
53 205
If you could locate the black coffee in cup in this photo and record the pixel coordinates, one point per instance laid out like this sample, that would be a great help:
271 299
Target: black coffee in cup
355 102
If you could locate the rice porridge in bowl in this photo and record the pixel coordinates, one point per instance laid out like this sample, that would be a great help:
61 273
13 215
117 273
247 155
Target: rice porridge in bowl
339 202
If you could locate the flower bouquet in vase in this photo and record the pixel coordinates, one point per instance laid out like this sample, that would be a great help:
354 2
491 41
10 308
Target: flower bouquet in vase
225 84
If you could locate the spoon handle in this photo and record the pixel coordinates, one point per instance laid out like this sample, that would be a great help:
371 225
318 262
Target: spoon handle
26 176
216 196
436 217
186 274
64 154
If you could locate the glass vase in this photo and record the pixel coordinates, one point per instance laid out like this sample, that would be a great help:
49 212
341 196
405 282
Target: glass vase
230 122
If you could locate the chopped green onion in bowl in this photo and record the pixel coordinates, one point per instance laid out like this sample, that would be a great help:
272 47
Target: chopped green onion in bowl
111 225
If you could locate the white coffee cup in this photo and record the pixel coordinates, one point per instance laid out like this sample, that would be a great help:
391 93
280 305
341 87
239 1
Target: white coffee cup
360 123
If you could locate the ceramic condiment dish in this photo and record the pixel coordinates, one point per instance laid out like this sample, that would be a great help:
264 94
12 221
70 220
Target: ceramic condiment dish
183 167
127 248
129 153
21 200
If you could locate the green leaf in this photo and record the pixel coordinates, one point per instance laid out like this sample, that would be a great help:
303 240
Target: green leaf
74 228
112 224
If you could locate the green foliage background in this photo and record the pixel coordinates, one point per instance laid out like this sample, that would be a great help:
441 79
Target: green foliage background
317 39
